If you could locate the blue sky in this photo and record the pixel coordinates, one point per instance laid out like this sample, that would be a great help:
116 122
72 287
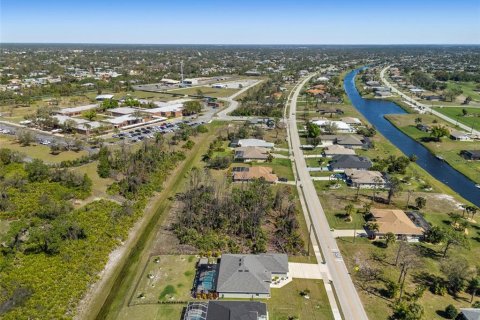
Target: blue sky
241 21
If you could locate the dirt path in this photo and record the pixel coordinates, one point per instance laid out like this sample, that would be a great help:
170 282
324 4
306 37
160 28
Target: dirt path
97 293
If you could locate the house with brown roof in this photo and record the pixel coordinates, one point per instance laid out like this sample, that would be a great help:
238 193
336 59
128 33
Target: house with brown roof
364 179
245 174
247 154
397 222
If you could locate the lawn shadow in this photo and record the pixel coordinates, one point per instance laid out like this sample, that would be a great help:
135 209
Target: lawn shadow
442 314
379 244
428 252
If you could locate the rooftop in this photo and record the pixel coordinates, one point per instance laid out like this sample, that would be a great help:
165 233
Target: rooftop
248 273
395 221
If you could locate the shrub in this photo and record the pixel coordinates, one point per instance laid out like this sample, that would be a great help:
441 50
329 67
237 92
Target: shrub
188 145
451 312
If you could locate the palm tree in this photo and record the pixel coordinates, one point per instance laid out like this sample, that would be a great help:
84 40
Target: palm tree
390 238
367 207
349 210
474 286
373 227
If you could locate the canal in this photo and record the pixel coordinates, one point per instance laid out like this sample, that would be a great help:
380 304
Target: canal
375 110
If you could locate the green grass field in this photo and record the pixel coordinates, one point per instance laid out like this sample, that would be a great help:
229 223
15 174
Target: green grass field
472 119
468 88
286 302
39 151
165 278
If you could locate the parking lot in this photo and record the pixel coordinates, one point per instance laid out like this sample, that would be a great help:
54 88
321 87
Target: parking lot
148 132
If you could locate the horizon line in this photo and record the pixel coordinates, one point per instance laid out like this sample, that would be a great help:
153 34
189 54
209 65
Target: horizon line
252 44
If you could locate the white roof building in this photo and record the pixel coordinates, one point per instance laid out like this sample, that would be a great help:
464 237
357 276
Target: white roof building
255 143
78 109
62 119
341 126
102 97
121 119
123 110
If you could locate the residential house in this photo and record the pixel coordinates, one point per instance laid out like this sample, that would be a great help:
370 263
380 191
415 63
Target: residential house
342 162
383 94
470 154
339 126
351 121
254 143
247 154
469 314
248 275
335 150
423 127
245 174
226 310
460 136
364 179
329 111
333 100
352 141
396 222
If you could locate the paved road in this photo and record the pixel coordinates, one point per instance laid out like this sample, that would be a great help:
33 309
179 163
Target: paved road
347 295
424 106
233 104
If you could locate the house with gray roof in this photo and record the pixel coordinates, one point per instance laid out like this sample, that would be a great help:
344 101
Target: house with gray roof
341 163
254 143
249 275
469 314
226 310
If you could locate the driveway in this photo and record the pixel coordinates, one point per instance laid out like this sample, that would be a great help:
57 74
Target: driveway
306 270
349 233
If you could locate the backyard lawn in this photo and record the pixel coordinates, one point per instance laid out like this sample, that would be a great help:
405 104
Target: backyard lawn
165 278
287 301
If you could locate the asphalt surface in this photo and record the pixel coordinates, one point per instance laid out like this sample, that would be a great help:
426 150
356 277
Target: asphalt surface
348 298
425 107
233 104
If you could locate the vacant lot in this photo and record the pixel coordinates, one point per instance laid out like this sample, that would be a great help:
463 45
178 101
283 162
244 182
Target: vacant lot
468 88
39 151
471 119
99 185
447 148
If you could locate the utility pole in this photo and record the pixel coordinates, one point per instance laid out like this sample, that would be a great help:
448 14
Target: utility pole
309 239
181 70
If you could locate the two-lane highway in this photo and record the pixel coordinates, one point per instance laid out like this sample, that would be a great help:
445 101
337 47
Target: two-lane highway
348 298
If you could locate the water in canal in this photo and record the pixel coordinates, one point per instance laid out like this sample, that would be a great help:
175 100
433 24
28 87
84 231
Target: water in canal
375 109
